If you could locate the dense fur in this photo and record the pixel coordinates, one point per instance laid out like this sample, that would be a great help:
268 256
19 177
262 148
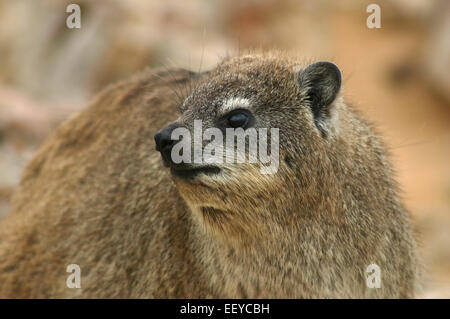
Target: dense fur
97 195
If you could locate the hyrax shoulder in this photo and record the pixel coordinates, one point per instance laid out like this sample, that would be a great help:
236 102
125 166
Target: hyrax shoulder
305 217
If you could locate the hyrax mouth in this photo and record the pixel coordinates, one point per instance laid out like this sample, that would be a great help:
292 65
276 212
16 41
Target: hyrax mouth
191 172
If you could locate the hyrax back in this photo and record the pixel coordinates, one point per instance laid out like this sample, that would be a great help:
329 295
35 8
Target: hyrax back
98 195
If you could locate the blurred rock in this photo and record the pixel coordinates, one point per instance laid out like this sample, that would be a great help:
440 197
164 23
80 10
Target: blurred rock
24 123
54 63
437 52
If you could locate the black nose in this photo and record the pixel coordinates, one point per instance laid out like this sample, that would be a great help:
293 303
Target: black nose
163 140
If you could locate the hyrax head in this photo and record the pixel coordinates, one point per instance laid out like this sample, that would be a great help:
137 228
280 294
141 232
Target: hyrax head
250 130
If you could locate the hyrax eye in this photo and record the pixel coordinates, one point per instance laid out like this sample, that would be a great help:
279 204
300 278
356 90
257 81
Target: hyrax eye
238 120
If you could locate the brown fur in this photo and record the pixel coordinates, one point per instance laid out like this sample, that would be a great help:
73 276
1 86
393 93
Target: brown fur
96 194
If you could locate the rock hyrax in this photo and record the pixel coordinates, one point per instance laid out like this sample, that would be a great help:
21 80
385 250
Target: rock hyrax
97 194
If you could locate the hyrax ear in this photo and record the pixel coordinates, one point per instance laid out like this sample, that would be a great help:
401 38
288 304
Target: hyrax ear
320 83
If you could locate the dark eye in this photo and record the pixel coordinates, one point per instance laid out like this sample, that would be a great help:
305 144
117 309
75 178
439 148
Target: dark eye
238 120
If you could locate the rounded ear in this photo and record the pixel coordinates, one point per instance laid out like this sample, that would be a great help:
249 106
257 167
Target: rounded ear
320 83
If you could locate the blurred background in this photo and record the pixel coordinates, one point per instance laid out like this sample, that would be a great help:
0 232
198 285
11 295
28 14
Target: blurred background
397 75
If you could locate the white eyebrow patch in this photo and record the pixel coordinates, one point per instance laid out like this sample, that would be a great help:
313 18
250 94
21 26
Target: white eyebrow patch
235 103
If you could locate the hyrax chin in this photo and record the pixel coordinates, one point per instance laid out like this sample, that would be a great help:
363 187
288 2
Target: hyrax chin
324 221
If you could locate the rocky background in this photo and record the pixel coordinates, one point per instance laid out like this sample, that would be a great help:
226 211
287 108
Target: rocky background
398 76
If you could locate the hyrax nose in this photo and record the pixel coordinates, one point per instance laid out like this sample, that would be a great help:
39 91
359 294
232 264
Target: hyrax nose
164 142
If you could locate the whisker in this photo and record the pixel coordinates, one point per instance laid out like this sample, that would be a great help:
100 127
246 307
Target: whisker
410 144
180 95
171 87
184 89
